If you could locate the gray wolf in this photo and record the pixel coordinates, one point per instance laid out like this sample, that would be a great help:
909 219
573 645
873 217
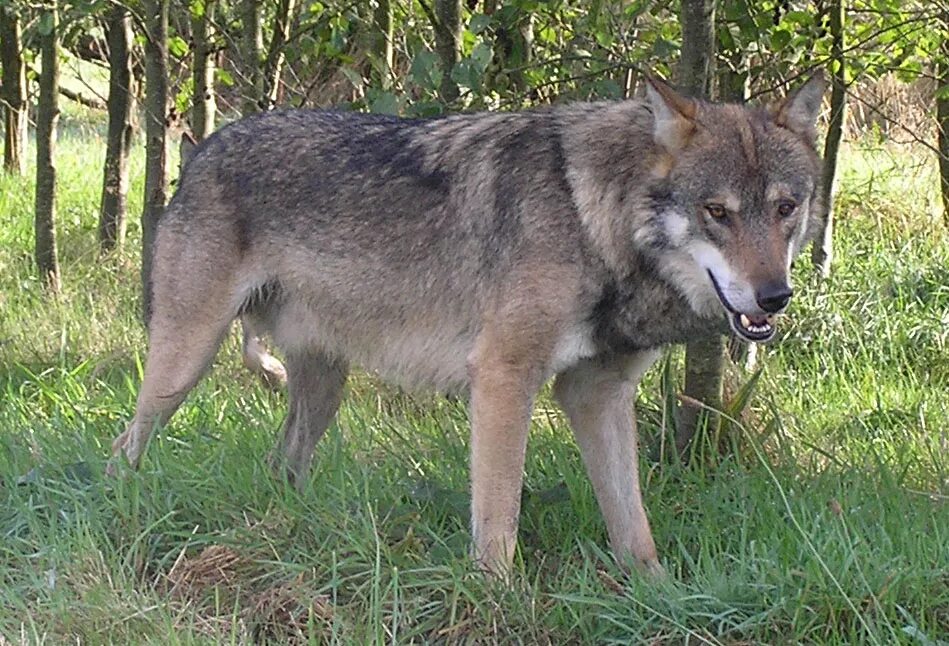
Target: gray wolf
484 254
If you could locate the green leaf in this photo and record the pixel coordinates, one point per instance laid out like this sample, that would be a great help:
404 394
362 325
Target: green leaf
45 26
224 77
177 46
385 103
352 76
481 56
802 18
425 71
780 39
478 23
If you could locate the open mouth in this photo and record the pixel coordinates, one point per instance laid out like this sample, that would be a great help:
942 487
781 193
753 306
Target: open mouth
758 328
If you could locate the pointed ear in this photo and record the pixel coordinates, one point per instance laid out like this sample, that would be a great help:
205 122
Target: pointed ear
674 114
798 112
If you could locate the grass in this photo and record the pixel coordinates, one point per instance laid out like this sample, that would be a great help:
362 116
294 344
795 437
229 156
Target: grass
830 524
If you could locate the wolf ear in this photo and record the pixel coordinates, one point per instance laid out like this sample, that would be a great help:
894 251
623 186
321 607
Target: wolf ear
674 114
798 111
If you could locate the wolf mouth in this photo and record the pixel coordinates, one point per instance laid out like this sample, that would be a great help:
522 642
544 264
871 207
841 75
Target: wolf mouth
752 327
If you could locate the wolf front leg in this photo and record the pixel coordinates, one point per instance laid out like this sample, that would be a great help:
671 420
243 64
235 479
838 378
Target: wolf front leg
501 401
598 397
504 376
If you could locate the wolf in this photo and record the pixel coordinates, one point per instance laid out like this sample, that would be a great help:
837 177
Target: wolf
484 254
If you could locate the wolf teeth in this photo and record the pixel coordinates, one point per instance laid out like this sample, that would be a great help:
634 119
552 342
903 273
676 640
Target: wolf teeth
754 327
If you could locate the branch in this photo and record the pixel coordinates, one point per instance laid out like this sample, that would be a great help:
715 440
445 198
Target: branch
80 98
429 13
88 101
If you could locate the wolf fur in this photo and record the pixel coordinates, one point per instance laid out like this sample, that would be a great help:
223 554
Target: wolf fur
484 254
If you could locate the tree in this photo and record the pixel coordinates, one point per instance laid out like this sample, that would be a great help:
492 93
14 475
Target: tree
696 60
252 45
204 109
121 108
448 44
13 95
273 64
156 130
47 116
382 40
823 249
703 358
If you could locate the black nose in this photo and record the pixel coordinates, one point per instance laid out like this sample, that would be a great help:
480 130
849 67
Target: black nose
774 297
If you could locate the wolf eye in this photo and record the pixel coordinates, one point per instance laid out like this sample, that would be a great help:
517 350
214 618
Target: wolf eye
785 209
717 211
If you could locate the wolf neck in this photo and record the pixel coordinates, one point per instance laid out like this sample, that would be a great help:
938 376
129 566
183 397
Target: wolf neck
642 310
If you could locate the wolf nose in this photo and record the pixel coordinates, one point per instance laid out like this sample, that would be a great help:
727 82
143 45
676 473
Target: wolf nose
773 297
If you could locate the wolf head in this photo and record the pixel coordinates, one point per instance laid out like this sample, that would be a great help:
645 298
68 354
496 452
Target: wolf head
735 188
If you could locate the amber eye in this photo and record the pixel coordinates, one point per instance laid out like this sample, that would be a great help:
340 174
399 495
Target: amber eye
717 211
785 209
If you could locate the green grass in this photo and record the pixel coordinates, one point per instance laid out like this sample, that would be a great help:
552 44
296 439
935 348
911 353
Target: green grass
830 525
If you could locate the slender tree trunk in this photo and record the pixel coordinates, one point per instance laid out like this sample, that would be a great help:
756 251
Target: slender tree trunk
253 45
156 132
448 44
382 40
823 249
273 65
204 112
13 93
703 358
47 117
698 47
942 116
121 107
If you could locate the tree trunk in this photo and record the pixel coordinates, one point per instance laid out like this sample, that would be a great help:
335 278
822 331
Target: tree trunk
13 91
823 248
121 107
47 116
273 65
942 115
448 44
703 358
698 47
382 40
156 135
204 110
253 45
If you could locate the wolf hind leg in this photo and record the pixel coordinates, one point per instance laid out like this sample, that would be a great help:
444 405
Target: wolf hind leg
315 384
182 342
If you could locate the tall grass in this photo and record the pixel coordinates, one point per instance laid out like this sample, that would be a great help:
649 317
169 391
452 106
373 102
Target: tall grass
829 525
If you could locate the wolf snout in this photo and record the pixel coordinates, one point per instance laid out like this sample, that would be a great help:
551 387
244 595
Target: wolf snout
774 297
